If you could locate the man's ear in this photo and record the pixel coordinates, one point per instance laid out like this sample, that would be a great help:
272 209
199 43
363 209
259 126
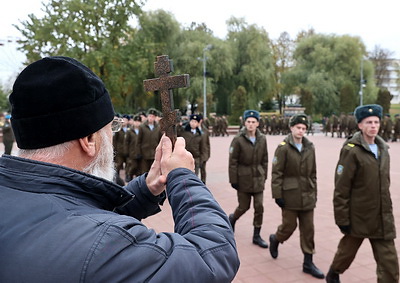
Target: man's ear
88 145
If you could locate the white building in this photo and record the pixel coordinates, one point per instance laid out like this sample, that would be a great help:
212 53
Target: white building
392 82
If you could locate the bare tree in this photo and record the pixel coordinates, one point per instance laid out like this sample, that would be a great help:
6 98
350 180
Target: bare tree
382 60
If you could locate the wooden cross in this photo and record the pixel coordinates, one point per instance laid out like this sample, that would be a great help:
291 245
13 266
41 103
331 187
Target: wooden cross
164 84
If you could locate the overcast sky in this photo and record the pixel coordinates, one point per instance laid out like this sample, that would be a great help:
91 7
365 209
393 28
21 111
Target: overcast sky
375 22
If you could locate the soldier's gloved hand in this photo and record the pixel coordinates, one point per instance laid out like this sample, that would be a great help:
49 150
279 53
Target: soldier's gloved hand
235 186
280 202
345 229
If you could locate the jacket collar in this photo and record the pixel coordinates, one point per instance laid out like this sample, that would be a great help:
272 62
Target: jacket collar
41 177
306 143
358 139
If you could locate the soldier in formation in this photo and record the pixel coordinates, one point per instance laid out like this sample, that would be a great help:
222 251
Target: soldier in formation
362 202
294 188
148 139
248 166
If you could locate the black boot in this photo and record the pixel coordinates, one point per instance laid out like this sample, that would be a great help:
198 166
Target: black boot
310 268
232 220
273 246
332 276
257 240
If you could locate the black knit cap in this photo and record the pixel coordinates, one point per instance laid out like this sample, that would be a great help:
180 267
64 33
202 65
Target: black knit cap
55 100
364 111
298 119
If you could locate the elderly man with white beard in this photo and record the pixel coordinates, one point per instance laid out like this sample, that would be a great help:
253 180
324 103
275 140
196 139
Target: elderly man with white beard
62 217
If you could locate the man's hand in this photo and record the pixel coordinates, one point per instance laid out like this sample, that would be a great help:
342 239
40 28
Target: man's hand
165 161
179 158
235 186
155 181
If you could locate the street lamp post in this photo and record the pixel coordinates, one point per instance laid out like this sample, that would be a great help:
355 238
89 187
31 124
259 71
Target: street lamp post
208 47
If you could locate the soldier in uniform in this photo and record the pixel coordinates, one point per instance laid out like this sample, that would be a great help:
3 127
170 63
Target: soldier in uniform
248 166
343 125
224 126
205 135
351 125
294 188
274 125
120 149
194 141
132 148
334 125
148 139
387 128
396 128
362 202
8 135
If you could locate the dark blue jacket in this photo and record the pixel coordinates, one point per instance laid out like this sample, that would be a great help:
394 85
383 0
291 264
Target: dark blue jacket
62 225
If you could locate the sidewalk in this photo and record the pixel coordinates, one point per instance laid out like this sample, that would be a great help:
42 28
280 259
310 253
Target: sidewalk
256 263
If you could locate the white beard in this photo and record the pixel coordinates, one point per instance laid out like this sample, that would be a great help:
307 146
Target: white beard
103 165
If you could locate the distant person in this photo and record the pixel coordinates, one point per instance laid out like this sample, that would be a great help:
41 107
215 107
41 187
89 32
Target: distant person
62 217
362 202
248 167
148 139
8 135
194 140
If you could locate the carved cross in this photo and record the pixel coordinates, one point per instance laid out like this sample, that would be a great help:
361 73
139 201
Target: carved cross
164 84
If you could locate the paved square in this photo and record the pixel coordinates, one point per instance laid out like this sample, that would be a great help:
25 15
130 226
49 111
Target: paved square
256 263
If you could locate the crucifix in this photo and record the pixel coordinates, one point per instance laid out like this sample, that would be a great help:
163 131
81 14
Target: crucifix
164 84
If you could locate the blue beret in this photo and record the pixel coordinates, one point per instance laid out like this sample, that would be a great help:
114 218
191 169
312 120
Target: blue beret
251 113
362 112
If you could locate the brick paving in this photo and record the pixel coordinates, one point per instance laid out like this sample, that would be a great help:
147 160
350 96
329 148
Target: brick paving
256 263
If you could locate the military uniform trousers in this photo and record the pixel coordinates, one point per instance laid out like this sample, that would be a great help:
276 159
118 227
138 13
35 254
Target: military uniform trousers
385 254
244 200
306 228
121 160
8 145
203 172
145 165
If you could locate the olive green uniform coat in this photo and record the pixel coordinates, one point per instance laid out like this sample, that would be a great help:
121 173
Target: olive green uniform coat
294 176
248 167
195 145
248 162
147 142
362 202
362 198
294 179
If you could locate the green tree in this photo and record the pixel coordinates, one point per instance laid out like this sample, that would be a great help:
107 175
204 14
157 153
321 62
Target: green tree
384 98
348 99
239 104
325 64
94 32
252 55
